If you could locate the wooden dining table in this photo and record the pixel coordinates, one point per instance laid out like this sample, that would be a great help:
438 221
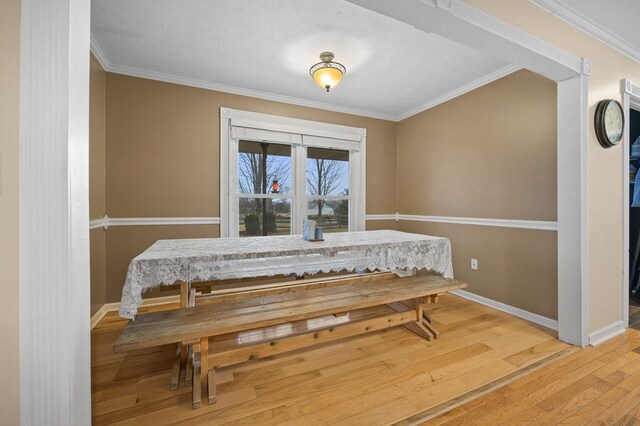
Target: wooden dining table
185 261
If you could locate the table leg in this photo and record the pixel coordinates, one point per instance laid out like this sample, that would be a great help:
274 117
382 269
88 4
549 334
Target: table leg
180 371
185 289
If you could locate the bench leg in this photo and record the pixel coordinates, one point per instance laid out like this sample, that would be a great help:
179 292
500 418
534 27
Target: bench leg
427 318
204 366
184 352
428 324
212 386
419 329
415 326
175 370
197 373
188 377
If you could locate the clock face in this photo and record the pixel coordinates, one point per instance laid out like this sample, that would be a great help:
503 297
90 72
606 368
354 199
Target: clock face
609 122
613 122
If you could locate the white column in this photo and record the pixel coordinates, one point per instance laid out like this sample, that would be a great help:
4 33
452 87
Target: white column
54 230
573 243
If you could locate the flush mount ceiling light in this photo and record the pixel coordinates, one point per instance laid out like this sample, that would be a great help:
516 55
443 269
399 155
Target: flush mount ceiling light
327 73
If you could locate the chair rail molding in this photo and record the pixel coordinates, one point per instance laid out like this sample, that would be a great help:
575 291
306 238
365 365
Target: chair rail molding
500 223
106 222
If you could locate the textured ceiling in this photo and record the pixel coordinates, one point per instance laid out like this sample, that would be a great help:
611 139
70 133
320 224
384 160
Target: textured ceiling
268 46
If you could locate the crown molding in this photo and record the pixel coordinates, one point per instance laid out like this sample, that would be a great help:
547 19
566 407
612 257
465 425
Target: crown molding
201 84
489 78
460 22
99 54
587 26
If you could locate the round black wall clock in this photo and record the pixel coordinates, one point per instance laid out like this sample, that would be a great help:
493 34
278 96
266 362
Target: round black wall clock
609 122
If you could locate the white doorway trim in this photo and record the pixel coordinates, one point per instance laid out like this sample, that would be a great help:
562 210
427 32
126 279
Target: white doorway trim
630 100
455 20
55 344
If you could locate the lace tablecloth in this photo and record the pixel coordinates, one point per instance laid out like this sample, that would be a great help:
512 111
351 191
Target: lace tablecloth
206 259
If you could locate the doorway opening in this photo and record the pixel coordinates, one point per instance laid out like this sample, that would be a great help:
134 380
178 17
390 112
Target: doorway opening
634 217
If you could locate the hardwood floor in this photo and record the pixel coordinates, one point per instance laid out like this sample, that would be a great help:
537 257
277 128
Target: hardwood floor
593 386
634 312
379 378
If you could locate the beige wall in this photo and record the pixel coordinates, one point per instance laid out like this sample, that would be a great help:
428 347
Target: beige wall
490 153
162 160
97 173
10 210
515 266
161 138
375 225
605 165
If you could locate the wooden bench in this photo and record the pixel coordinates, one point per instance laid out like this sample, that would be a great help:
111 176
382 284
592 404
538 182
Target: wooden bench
339 307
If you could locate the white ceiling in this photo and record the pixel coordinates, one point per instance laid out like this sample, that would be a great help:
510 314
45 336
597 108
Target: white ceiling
614 22
265 48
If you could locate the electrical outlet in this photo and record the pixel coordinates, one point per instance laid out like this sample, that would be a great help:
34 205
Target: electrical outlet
474 264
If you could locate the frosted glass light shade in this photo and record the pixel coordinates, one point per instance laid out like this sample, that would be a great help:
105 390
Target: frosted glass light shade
327 77
327 74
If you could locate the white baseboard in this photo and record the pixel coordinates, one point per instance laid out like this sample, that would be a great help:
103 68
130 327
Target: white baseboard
95 318
605 333
115 306
520 313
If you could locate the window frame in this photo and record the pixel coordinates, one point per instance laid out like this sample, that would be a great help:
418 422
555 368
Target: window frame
236 125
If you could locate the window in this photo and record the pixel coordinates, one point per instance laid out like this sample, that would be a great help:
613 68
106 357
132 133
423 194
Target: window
276 171
264 189
328 188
